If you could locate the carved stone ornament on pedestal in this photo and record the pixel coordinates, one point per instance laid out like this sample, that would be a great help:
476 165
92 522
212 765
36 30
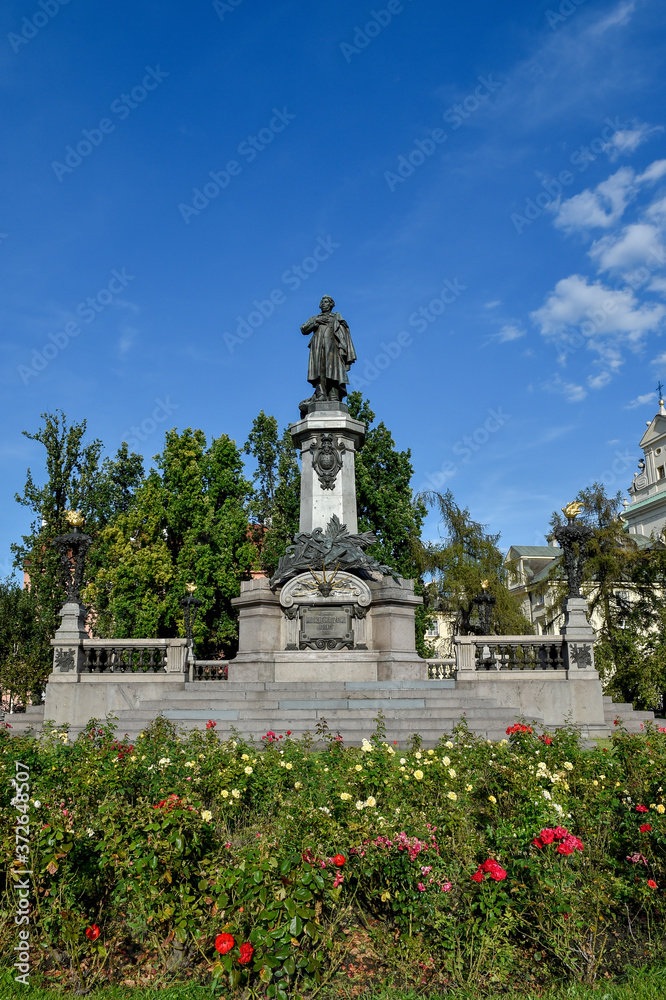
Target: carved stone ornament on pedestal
326 614
327 459
64 660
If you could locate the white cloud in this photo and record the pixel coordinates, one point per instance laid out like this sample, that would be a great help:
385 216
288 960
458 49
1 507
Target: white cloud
493 304
600 380
627 140
596 310
657 210
572 392
628 248
600 208
128 335
620 15
509 332
653 173
660 360
658 285
647 397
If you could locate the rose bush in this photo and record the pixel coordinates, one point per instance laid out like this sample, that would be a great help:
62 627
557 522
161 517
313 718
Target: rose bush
265 865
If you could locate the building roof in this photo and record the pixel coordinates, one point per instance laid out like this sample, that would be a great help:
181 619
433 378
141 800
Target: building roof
547 551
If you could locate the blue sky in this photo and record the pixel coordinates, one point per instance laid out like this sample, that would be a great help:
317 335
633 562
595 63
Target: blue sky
481 187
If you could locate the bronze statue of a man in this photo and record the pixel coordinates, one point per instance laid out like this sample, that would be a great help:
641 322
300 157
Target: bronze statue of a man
331 353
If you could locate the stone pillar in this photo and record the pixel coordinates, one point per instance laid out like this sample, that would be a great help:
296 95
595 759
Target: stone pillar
578 635
328 439
68 641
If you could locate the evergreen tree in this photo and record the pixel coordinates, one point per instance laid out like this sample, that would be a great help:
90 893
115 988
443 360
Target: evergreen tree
466 556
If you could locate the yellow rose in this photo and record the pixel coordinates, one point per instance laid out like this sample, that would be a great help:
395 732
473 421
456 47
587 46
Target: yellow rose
418 775
661 809
452 796
491 798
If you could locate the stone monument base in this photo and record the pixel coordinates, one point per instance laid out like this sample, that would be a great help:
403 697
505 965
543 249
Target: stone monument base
379 621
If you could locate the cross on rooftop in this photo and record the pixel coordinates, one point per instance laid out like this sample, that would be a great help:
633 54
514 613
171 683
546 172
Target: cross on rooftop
660 389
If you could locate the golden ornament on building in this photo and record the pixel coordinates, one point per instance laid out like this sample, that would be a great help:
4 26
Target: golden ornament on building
74 518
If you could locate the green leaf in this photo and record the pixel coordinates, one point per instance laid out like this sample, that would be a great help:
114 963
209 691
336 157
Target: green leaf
289 966
290 907
296 926
202 884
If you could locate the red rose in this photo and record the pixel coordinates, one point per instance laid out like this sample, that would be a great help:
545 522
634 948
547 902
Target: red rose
339 860
289 732
246 953
494 869
224 943
92 932
560 832
641 809
538 842
645 828
652 883
564 848
478 876
547 835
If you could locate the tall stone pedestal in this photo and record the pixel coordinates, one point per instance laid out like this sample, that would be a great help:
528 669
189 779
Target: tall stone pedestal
328 439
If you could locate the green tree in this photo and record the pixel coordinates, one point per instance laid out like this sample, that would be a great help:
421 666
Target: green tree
21 642
623 606
385 502
467 555
275 502
72 468
187 522
387 506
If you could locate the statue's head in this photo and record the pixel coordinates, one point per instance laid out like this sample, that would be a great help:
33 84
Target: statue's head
326 304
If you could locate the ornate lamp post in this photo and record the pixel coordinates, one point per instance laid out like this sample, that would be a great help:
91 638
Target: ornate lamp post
190 605
573 539
72 549
485 603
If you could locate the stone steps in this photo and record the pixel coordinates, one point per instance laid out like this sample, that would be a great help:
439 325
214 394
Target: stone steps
632 719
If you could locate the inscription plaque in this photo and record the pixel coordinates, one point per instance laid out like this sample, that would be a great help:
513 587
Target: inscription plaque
326 628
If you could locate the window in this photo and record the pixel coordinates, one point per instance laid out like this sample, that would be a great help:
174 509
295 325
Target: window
433 631
660 472
539 599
